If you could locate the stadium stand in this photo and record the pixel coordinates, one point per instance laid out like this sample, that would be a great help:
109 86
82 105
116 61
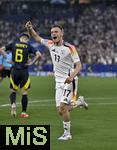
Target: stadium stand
92 28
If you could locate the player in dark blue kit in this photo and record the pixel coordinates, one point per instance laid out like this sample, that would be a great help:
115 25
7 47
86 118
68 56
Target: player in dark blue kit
6 65
19 74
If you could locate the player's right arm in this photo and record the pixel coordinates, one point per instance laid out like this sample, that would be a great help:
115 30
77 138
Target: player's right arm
35 36
2 52
5 48
32 32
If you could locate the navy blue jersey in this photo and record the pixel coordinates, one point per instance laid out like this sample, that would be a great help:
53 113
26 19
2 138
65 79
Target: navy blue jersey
20 54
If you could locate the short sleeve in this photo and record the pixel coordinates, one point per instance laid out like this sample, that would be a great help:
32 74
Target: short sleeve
46 42
74 54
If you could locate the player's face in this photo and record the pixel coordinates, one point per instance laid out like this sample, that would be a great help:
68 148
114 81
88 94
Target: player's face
24 39
56 34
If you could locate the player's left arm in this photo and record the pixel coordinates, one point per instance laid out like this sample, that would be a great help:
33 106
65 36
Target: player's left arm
37 57
77 65
77 69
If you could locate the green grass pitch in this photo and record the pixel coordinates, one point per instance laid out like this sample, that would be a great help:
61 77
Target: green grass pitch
95 129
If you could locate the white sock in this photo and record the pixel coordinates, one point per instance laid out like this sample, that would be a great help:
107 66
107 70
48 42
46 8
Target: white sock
66 126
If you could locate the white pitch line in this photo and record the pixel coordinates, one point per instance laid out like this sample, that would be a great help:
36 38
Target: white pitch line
100 98
90 104
36 100
113 103
88 98
30 102
44 102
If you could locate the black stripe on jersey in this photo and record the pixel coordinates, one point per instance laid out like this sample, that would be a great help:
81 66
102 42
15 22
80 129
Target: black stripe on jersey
69 73
67 45
73 83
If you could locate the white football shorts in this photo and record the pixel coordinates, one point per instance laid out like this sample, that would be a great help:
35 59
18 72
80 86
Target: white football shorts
66 93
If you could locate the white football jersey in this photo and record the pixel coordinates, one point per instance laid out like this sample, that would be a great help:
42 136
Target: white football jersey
63 58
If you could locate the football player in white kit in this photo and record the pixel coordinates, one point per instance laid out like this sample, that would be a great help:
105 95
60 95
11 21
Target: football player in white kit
67 65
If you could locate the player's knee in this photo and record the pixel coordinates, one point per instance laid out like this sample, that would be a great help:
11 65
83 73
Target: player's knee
24 92
59 112
62 109
13 91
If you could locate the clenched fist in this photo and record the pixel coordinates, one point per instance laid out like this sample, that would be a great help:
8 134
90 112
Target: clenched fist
28 25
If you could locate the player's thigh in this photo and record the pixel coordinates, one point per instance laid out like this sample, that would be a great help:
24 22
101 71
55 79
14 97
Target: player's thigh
8 72
58 95
25 80
14 79
67 94
3 73
64 93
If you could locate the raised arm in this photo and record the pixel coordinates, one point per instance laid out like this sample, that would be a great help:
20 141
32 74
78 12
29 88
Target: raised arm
32 32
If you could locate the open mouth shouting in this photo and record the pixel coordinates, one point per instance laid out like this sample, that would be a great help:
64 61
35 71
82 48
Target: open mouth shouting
54 37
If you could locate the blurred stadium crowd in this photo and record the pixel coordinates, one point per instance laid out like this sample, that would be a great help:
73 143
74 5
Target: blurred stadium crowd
92 28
